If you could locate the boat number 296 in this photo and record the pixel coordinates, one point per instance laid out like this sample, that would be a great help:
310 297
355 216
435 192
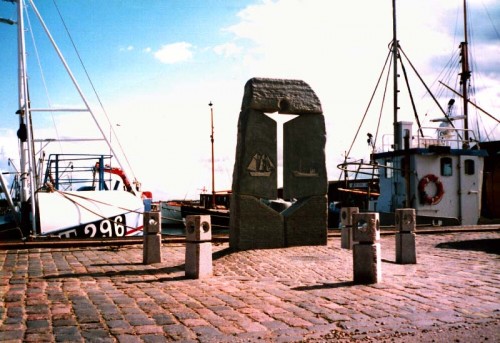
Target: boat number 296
112 227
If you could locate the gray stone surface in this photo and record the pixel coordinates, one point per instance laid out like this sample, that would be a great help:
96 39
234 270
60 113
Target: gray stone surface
305 222
346 215
346 240
367 264
198 228
152 249
405 219
255 225
304 167
256 163
152 238
406 252
198 263
255 167
152 222
282 96
366 227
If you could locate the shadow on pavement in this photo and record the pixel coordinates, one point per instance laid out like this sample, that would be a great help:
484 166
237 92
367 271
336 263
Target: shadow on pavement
325 286
490 246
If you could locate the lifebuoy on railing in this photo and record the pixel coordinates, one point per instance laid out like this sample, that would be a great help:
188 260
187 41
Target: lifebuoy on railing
426 198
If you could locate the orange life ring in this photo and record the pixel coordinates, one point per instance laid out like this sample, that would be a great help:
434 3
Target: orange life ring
426 198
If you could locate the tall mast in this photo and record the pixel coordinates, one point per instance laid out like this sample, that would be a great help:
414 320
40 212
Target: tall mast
22 98
27 158
465 75
395 45
213 155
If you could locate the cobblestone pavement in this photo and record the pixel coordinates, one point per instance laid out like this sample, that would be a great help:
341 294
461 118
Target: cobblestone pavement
106 294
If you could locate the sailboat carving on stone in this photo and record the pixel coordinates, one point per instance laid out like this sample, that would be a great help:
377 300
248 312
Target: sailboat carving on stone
260 165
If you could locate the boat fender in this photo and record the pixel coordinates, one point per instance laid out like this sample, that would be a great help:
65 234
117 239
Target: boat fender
426 198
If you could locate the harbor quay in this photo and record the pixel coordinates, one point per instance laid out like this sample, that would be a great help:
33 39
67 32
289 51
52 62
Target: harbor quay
295 294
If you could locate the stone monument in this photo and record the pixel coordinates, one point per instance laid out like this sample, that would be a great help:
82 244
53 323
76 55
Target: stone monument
253 223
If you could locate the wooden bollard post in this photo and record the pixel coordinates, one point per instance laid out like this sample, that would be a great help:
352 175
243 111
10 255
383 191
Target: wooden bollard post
198 246
367 262
346 213
152 238
406 252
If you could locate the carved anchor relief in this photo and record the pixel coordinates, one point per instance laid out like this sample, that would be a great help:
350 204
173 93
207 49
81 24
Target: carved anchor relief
253 223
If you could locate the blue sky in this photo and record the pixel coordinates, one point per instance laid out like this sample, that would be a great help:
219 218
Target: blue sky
157 64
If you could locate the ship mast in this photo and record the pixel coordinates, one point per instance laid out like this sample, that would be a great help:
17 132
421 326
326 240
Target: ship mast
465 75
395 45
27 160
213 156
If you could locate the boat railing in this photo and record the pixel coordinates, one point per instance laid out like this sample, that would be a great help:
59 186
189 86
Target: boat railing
77 171
445 136
435 136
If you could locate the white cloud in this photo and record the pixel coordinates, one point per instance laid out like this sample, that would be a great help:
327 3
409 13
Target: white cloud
228 49
128 48
174 53
147 50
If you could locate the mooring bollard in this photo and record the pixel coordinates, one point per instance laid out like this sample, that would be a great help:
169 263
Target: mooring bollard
152 238
406 252
346 226
367 262
198 247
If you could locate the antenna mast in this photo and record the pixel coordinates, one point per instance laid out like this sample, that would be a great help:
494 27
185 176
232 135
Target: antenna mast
465 75
395 46
213 157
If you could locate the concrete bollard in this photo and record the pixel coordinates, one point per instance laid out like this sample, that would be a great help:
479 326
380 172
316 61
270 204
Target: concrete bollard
152 238
198 247
346 213
405 220
367 263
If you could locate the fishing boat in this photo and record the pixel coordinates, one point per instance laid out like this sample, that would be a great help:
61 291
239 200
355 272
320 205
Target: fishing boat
171 214
50 191
437 170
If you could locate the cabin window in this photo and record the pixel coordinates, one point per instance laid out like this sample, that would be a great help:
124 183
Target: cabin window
469 168
446 167
388 169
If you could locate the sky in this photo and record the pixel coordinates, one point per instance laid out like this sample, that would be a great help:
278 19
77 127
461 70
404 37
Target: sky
156 66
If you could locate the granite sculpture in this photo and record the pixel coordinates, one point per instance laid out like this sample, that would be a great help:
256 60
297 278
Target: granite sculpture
254 224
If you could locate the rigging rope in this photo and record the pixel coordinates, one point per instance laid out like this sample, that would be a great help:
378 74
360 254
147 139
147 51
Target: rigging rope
383 100
95 91
368 107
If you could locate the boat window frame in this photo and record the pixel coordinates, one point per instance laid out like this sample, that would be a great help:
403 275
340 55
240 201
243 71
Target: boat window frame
469 167
446 166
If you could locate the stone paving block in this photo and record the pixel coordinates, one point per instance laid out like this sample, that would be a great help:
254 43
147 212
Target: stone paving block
450 289
128 339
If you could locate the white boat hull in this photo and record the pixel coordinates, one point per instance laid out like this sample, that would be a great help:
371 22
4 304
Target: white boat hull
90 214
